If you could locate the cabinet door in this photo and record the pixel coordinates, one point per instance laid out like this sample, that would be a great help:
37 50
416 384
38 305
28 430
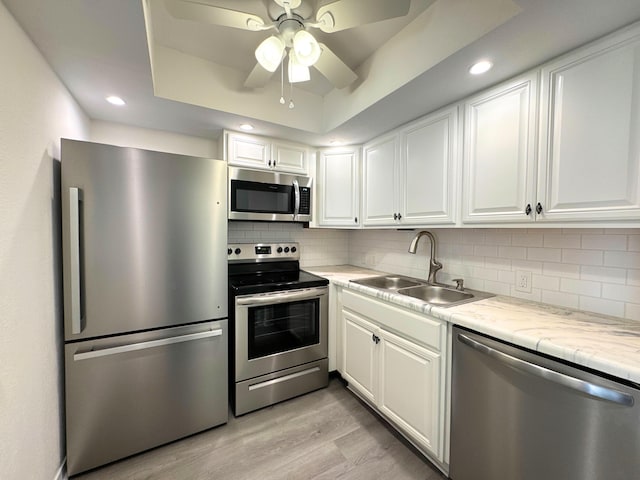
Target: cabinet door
248 151
360 354
288 157
337 188
410 390
499 158
428 157
380 181
590 133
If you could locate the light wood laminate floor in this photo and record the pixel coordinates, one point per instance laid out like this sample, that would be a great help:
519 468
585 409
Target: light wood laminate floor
325 435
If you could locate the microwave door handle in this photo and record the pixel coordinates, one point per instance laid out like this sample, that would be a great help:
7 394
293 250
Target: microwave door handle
296 204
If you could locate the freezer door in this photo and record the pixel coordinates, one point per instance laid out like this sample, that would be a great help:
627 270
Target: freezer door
144 239
133 392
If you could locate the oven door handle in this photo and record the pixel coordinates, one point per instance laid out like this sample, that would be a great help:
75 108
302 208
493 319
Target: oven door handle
281 297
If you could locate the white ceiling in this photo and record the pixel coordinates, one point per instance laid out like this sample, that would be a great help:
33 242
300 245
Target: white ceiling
99 47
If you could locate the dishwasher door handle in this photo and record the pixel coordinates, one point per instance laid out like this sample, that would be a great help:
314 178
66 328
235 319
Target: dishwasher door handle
568 381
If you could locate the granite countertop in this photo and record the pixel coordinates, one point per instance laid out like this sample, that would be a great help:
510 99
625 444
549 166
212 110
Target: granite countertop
608 344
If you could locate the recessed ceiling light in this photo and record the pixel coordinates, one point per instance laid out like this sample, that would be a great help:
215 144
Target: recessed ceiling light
114 100
480 67
247 127
336 143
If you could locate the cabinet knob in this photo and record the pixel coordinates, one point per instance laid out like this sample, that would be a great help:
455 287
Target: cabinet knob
356 219
528 209
399 216
538 208
269 162
395 216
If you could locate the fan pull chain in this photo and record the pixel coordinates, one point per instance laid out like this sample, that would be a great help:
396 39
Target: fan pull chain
291 104
282 83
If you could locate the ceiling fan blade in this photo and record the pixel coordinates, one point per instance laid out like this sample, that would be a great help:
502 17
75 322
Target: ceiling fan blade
258 77
352 13
334 69
202 12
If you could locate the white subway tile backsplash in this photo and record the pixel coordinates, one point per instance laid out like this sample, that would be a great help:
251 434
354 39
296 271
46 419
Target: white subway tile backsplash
522 239
633 244
581 287
604 242
544 282
632 311
623 293
556 240
581 268
561 270
603 274
582 257
512 252
633 277
544 254
599 305
622 259
562 299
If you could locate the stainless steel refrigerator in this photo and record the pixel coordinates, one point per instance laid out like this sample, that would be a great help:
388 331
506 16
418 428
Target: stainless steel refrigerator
145 299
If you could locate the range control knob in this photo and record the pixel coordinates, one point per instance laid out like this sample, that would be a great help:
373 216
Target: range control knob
286 249
294 249
279 250
238 251
229 251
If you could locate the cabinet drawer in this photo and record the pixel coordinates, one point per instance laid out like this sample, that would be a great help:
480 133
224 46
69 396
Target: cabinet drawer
419 327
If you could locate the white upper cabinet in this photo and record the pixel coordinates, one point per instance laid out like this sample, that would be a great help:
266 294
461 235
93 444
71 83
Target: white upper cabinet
428 153
590 133
264 153
499 153
409 176
337 187
380 170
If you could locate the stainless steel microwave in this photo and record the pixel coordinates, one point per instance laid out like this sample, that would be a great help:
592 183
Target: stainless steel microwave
269 196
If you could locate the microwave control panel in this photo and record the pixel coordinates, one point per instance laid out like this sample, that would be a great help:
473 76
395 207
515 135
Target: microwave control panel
305 201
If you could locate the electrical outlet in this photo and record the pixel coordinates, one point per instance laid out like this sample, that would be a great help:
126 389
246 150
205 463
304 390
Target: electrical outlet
523 281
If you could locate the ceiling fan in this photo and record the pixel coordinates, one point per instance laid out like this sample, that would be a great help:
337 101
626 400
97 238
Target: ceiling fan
292 38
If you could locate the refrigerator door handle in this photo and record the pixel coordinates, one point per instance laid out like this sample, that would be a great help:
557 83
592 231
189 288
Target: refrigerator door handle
75 197
145 345
587 388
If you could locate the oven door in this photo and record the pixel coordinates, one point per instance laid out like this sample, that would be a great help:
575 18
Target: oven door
274 331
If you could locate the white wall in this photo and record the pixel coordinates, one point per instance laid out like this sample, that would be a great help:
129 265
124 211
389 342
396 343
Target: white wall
35 111
127 136
597 270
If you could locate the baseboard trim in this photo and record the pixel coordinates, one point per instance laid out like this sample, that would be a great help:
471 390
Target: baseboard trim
61 474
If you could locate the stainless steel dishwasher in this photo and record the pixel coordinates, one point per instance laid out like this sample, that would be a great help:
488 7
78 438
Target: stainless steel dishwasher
517 415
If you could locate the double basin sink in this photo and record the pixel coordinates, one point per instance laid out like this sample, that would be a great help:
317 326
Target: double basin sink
434 294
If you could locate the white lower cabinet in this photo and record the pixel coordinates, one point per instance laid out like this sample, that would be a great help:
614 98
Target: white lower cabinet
409 388
394 359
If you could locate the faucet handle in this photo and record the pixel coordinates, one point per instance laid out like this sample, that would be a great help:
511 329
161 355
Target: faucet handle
459 283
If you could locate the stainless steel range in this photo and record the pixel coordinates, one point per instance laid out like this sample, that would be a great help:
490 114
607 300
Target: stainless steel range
278 347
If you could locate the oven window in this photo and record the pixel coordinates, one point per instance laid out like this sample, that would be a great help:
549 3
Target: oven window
283 326
261 197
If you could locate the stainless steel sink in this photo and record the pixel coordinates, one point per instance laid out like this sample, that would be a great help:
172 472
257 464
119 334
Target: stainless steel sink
436 295
389 282
440 295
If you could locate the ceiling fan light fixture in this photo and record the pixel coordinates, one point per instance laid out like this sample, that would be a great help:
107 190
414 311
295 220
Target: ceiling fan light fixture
269 53
297 72
326 22
306 48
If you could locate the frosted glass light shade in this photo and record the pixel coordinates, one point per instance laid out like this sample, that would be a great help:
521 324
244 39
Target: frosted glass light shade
306 48
296 71
269 53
